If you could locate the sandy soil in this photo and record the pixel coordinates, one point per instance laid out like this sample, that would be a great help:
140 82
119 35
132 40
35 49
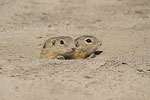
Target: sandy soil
121 72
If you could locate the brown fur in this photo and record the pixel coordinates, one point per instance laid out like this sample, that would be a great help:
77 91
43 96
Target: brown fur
85 50
53 49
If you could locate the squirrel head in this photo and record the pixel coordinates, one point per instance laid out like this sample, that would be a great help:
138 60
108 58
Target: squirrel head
87 43
60 45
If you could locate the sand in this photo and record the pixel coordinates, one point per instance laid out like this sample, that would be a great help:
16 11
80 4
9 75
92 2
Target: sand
120 72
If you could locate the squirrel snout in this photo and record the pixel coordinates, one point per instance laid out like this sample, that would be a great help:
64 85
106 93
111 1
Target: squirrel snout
100 44
73 49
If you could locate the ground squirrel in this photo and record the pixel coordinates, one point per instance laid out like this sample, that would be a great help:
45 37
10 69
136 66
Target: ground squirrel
58 48
86 46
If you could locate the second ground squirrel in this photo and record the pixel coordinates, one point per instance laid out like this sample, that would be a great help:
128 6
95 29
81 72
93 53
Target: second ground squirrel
86 47
61 47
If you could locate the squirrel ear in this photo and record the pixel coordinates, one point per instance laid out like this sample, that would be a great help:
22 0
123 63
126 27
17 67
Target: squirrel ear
44 46
53 42
77 44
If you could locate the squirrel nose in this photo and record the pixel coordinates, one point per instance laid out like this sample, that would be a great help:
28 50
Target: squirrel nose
73 49
100 44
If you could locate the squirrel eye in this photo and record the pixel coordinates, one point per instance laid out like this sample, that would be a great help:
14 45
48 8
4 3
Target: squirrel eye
77 44
88 40
62 42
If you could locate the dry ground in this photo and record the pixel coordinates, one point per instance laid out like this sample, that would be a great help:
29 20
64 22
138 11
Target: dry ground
121 72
